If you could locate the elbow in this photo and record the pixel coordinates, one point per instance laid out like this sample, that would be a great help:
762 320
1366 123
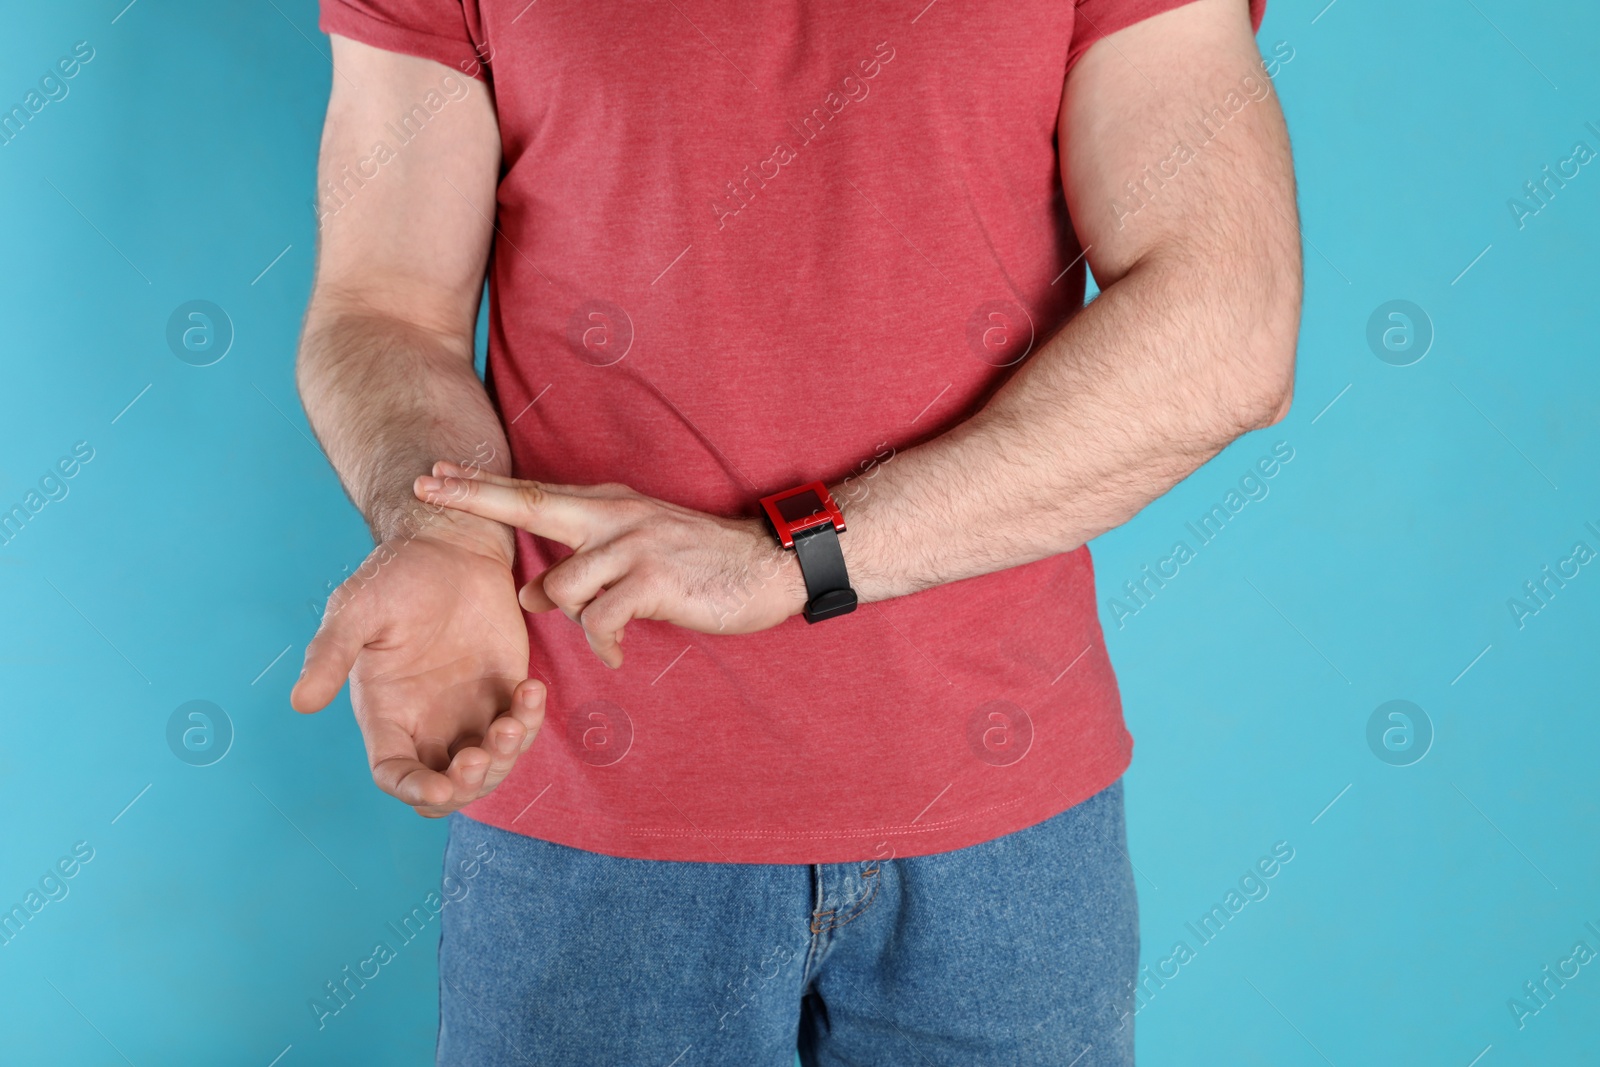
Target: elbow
1244 324
1263 390
1282 410
1265 396
1265 402
1247 412
1273 406
1256 387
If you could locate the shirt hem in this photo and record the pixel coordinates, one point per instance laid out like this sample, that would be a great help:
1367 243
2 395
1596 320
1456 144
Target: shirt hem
679 844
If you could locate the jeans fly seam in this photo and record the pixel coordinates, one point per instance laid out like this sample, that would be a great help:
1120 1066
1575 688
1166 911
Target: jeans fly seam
812 949
861 906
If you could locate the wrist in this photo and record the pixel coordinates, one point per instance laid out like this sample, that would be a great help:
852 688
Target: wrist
457 529
790 580
808 522
856 543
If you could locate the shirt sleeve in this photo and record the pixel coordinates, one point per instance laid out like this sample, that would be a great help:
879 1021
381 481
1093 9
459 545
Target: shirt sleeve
1095 19
446 31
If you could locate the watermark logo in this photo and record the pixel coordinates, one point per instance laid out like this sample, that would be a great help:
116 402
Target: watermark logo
999 732
1198 134
1000 332
1252 887
52 887
1539 591
1400 333
600 733
1537 994
199 332
53 86
199 733
853 87
52 486
600 333
1140 592
338 190
1542 189
339 992
1399 733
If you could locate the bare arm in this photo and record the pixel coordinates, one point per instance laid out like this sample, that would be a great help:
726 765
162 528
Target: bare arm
428 631
385 367
1190 344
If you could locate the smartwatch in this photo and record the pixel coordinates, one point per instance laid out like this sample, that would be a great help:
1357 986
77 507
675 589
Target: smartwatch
807 520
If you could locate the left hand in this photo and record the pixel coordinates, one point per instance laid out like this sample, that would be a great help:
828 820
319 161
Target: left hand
634 557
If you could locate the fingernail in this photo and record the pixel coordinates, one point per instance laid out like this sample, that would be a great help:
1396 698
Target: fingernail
429 484
505 744
531 697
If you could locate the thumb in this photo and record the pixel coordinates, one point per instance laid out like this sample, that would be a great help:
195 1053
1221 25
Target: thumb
329 658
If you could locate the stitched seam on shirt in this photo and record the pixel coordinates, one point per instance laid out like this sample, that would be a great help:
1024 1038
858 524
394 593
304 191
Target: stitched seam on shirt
1092 771
878 831
610 827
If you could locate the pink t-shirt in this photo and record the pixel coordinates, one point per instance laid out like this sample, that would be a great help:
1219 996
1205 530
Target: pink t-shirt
744 246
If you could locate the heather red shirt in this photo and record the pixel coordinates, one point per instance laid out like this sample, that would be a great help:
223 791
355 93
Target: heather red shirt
745 245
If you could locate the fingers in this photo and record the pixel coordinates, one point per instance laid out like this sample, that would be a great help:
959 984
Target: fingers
410 782
540 509
445 469
329 658
468 773
510 735
401 766
609 612
571 584
432 793
527 708
532 597
591 587
398 771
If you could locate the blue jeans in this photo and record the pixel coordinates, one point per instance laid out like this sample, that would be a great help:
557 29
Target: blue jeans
1021 950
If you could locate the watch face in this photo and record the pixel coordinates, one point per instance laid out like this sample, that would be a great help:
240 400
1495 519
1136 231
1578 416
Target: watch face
800 506
799 509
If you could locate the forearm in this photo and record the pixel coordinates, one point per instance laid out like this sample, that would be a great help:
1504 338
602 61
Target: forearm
1138 390
387 398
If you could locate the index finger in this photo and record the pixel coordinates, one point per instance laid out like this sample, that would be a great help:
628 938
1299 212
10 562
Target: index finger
530 506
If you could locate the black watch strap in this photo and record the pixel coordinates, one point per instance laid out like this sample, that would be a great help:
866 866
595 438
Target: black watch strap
828 591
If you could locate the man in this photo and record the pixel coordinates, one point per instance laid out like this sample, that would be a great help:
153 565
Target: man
733 251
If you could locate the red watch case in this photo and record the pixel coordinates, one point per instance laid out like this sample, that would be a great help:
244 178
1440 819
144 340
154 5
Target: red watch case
791 512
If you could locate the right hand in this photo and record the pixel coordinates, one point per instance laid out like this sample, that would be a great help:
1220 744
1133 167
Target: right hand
436 650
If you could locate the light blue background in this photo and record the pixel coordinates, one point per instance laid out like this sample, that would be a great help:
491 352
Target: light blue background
189 550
